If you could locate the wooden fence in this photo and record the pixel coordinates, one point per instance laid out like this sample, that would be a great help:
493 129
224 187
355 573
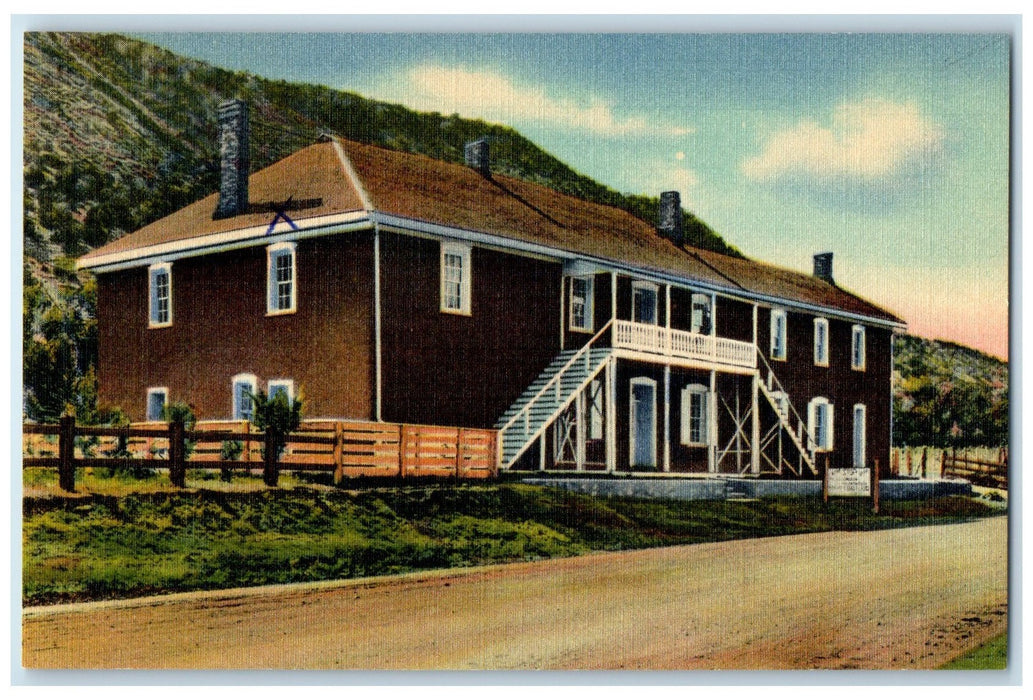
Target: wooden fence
979 471
981 466
345 448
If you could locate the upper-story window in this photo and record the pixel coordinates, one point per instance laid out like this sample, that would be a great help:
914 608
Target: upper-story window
581 303
244 387
643 302
282 288
821 342
701 314
857 352
157 397
819 422
160 295
778 334
694 415
455 277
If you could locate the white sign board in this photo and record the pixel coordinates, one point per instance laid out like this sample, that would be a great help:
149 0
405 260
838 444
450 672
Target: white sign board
850 482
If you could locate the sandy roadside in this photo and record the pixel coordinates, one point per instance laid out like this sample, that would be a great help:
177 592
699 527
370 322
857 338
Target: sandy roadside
906 598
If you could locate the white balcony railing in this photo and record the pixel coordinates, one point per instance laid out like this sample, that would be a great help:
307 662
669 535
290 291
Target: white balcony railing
668 342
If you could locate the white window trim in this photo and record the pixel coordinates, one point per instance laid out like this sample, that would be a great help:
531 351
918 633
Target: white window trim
655 289
289 383
812 410
589 324
150 392
775 315
864 434
158 267
270 278
821 359
465 284
633 437
686 426
242 379
858 332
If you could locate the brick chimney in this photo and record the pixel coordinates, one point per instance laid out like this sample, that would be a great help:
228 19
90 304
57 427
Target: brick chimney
671 225
477 156
235 156
823 267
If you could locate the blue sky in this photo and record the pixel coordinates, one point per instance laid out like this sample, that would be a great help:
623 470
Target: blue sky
892 150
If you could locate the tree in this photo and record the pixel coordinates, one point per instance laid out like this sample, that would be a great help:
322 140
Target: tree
277 416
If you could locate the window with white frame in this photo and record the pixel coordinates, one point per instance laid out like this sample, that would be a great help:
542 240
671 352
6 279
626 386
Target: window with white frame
157 397
701 314
281 286
857 352
281 386
455 277
694 400
643 302
778 334
244 388
160 295
819 422
821 342
860 435
581 303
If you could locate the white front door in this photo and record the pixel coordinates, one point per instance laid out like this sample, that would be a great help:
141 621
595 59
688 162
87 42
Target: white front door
642 447
859 436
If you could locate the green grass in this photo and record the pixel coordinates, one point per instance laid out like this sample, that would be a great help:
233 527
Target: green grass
112 544
992 656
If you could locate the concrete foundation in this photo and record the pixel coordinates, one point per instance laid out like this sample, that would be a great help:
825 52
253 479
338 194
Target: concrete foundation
718 489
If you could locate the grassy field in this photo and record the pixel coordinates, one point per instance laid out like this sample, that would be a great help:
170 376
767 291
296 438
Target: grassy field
111 544
992 656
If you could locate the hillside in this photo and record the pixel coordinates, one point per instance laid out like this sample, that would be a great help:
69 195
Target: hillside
119 133
946 394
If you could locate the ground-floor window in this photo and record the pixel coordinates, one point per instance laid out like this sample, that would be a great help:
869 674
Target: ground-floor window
244 387
694 400
157 397
819 422
281 386
860 437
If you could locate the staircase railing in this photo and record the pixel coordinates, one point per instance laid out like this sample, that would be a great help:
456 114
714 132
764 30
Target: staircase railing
804 439
525 412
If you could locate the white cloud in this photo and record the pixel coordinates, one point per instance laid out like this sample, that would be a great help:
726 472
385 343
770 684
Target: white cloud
869 139
662 177
494 97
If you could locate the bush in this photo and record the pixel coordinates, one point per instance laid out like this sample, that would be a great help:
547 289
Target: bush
230 452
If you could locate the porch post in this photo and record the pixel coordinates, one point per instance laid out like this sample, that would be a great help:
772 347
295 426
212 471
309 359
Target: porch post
579 447
541 451
611 415
712 419
667 412
755 428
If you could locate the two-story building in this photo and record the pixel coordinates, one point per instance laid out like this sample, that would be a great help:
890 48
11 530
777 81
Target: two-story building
391 286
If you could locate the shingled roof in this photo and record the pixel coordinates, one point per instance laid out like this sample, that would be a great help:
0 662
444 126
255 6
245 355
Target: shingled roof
421 189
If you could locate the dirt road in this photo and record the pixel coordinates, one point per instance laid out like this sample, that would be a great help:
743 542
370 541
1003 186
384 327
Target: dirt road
907 598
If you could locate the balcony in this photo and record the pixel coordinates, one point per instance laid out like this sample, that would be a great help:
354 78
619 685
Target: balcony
668 343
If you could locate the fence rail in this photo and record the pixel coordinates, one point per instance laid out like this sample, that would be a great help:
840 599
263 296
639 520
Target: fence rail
981 466
345 448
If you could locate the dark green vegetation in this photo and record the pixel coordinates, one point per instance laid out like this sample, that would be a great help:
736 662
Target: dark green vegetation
119 133
948 395
121 546
992 656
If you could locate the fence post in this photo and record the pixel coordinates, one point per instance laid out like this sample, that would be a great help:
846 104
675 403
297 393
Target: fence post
910 468
271 472
895 461
66 453
944 471
177 463
925 454
875 487
339 453
459 448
